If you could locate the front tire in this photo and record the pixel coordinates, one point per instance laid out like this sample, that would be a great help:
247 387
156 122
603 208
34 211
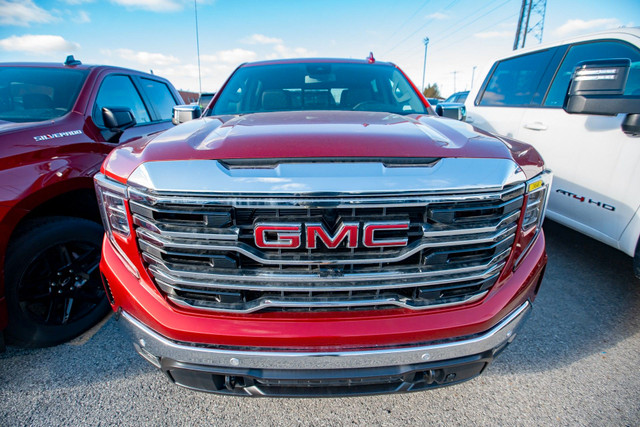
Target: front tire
52 280
636 261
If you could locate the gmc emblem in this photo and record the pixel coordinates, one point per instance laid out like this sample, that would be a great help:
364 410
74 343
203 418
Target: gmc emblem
292 235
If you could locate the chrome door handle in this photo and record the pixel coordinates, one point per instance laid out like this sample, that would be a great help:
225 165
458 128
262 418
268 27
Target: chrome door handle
536 126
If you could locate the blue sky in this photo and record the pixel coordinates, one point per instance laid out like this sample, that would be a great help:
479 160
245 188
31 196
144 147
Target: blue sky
160 34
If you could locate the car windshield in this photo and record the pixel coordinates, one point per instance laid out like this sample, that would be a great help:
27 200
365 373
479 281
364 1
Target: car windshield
318 86
29 94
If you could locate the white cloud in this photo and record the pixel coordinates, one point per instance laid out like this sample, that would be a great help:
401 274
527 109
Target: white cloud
76 2
282 51
494 34
82 18
185 76
438 16
573 26
147 58
152 5
261 39
38 44
232 56
22 13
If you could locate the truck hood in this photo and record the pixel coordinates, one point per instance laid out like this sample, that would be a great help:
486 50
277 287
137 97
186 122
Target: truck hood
7 127
310 134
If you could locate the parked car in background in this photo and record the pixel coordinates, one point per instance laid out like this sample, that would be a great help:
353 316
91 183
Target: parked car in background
594 152
56 127
205 98
458 97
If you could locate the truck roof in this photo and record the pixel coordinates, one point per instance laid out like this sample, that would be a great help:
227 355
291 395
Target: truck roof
314 60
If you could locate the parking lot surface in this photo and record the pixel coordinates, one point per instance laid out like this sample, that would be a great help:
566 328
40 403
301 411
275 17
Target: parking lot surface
576 361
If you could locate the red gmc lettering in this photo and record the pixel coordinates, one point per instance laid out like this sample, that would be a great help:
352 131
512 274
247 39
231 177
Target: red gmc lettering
349 229
287 236
370 241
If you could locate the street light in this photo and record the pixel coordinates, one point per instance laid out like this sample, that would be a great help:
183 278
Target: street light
424 67
195 7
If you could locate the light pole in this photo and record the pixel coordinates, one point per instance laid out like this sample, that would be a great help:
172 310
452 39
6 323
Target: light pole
473 73
424 67
455 73
195 6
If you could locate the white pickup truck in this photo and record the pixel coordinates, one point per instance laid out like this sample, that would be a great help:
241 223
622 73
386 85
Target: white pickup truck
588 136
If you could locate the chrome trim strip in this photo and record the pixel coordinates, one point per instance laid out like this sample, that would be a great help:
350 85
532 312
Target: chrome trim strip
464 231
230 233
263 276
110 184
308 285
159 243
449 175
265 303
152 343
315 201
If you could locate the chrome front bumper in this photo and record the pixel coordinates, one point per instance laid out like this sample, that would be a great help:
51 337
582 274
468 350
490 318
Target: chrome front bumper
155 348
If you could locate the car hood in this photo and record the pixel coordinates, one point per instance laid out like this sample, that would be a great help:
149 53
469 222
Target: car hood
310 134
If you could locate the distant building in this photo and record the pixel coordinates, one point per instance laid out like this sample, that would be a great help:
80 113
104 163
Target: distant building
189 97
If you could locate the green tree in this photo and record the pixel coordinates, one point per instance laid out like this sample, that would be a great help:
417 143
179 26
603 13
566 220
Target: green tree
432 91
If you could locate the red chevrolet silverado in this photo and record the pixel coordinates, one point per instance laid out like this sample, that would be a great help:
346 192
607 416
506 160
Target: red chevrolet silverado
320 232
56 128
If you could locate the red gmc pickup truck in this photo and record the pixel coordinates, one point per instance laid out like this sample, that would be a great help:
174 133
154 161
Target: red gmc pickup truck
320 232
56 128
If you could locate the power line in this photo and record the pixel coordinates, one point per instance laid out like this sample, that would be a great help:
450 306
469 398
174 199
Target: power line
452 33
424 25
483 29
407 21
475 20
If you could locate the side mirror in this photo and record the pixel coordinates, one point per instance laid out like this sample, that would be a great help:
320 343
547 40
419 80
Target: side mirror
117 120
452 111
185 113
597 87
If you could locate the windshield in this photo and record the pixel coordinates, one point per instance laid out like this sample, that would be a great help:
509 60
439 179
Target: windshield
318 86
30 94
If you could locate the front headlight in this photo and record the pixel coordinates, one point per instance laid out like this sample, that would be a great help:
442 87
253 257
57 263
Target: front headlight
112 199
537 191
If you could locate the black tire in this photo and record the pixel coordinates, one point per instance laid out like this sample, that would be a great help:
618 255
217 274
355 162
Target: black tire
636 261
52 281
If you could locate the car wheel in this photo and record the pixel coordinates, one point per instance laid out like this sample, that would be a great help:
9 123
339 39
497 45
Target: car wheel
53 286
636 261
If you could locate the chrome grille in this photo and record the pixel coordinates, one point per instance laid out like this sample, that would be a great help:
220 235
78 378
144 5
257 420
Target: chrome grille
201 252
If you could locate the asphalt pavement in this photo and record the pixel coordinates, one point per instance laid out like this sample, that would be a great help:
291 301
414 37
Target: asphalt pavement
575 362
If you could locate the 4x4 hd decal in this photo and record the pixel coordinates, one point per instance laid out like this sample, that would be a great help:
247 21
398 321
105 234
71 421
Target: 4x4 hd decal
589 201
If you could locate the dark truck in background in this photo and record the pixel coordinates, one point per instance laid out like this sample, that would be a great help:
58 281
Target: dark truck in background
57 124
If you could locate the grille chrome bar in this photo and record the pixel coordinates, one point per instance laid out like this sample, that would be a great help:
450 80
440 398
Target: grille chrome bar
199 234
152 200
262 279
264 303
203 281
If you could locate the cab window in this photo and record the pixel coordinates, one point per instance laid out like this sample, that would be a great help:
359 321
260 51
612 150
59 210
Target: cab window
160 97
514 81
119 91
590 51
